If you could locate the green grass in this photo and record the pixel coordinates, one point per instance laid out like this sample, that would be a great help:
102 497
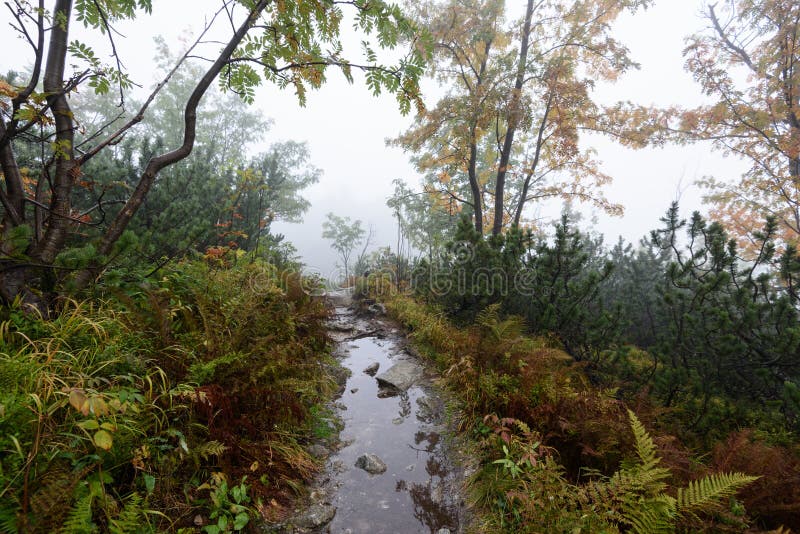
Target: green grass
120 410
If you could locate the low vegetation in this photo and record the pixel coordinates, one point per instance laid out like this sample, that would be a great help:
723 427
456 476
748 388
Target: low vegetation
181 401
558 453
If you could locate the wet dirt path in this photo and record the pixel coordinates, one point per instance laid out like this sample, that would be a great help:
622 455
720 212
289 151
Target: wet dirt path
420 490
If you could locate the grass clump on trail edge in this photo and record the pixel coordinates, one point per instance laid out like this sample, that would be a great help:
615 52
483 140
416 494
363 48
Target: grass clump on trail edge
180 403
558 453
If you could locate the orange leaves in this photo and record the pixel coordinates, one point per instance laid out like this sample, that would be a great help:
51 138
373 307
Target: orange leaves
751 116
215 253
460 143
6 91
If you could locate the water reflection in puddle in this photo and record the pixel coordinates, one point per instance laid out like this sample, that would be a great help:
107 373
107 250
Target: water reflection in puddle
412 496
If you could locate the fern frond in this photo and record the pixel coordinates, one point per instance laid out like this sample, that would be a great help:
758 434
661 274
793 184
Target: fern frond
129 518
79 520
651 516
8 518
700 494
209 449
48 502
638 479
489 316
645 448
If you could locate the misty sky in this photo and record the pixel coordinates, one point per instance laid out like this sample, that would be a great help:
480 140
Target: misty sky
346 128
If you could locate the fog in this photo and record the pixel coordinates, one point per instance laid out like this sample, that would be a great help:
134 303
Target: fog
345 127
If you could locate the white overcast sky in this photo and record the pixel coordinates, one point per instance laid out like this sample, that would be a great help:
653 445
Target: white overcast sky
346 127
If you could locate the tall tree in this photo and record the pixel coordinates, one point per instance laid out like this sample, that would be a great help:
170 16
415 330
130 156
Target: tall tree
748 62
345 236
426 218
290 43
517 98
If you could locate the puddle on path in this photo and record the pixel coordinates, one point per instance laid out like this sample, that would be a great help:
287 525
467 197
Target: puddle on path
415 493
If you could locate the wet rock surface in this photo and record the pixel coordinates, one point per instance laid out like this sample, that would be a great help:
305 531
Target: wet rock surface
377 309
395 419
371 463
318 451
315 517
401 376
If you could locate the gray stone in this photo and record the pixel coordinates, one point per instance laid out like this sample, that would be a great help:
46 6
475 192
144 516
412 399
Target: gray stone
371 464
427 411
397 421
372 368
377 309
317 515
354 391
443 531
437 494
341 327
318 451
426 404
401 375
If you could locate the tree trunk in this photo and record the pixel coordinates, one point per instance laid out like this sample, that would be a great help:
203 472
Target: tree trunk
65 169
513 118
474 186
13 198
472 168
535 163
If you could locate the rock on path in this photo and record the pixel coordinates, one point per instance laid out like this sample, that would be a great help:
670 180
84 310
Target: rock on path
401 375
317 515
371 464
372 369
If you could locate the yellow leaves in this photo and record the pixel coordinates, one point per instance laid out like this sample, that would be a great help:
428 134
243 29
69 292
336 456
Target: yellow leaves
94 405
79 401
85 404
7 90
103 440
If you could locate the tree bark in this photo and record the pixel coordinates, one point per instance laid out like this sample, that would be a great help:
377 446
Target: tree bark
472 166
523 197
474 186
513 118
156 164
65 169
13 198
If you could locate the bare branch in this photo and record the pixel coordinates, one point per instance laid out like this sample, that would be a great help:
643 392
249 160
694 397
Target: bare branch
117 135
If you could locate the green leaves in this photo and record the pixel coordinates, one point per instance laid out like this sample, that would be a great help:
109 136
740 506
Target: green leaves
98 13
344 235
303 40
229 506
103 76
84 52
